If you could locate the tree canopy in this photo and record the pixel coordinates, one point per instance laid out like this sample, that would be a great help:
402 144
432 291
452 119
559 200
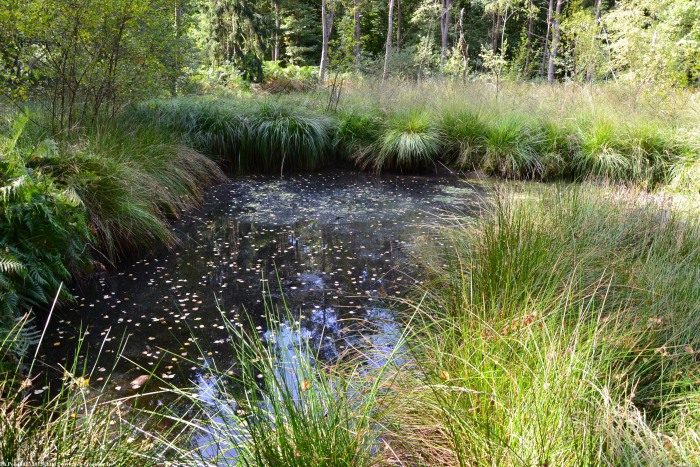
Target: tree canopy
84 57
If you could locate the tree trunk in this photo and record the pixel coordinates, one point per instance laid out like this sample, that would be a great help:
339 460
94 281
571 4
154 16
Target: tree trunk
276 50
463 46
176 65
327 13
496 30
357 36
530 26
545 55
589 70
444 30
555 42
399 20
389 34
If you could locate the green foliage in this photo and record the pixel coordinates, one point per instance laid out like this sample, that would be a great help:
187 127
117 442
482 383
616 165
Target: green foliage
43 235
91 57
289 78
655 42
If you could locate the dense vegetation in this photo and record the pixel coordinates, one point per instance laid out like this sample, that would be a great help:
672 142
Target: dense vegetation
559 327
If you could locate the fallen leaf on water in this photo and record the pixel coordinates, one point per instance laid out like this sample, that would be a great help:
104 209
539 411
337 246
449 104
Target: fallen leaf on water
138 382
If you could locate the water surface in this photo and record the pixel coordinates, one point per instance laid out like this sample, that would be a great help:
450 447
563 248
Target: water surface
332 248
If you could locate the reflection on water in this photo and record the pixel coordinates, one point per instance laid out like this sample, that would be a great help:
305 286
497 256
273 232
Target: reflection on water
333 247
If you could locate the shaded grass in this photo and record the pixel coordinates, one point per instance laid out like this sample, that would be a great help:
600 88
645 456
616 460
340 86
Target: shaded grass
131 178
246 136
282 134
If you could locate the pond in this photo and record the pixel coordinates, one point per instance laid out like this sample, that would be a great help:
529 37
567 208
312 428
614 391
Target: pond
330 249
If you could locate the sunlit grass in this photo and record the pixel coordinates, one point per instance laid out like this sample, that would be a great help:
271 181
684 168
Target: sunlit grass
410 140
559 328
278 404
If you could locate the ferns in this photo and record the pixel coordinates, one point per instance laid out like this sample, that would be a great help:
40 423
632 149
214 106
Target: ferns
10 265
42 229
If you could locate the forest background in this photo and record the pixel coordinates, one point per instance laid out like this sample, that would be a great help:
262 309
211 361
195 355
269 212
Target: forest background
81 57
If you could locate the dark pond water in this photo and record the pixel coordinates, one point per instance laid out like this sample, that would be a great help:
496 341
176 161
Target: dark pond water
333 246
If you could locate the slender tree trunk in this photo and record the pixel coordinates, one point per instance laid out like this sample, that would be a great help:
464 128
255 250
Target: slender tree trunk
276 50
589 70
357 36
463 46
327 13
444 29
496 30
530 27
555 41
176 65
399 20
545 55
389 35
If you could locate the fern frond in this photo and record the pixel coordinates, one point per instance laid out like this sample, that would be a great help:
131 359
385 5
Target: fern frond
10 265
9 190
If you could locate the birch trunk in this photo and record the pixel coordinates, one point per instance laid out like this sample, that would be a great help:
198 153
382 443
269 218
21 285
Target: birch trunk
327 13
555 42
389 34
445 29
357 36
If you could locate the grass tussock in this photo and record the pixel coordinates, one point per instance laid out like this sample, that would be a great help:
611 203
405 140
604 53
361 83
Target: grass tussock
535 132
561 328
522 132
409 140
73 200
279 405
131 181
246 136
